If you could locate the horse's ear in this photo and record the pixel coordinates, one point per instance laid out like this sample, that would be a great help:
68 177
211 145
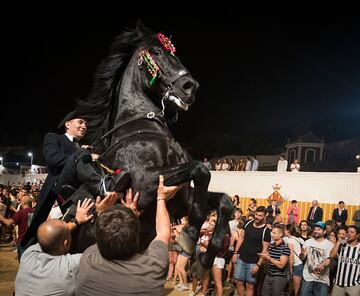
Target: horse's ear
140 28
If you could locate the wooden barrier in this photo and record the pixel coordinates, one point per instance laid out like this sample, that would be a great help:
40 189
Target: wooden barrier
304 208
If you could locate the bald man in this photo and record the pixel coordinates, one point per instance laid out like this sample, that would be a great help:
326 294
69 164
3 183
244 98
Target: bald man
46 268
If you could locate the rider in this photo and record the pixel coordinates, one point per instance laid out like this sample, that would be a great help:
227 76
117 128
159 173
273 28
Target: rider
69 164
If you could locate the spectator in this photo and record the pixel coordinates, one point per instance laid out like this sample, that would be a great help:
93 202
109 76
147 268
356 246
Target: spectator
248 164
225 165
240 165
282 164
254 163
295 166
116 258
296 266
356 218
218 165
347 278
342 232
233 223
304 230
21 218
277 257
315 213
316 270
252 206
207 163
292 213
273 209
46 268
236 202
340 214
254 240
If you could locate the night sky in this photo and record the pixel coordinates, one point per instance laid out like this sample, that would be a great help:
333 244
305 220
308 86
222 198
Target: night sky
262 79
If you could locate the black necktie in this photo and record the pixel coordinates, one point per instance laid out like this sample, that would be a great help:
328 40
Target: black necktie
77 146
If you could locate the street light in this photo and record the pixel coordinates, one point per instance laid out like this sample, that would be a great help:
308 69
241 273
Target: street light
1 159
31 160
358 158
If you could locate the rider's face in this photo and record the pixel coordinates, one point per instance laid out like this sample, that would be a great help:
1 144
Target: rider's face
76 128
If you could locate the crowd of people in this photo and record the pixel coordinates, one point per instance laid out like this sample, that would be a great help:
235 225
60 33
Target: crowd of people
250 163
259 254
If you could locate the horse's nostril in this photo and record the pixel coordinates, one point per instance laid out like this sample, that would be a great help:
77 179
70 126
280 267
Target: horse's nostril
188 85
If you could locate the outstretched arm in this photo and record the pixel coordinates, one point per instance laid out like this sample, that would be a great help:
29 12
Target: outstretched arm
162 216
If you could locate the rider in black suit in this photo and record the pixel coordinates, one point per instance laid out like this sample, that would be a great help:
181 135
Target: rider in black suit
69 164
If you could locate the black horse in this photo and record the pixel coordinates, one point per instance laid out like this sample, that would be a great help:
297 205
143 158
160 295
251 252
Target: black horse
138 89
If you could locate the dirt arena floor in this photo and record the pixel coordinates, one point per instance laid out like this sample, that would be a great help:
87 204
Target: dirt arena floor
9 266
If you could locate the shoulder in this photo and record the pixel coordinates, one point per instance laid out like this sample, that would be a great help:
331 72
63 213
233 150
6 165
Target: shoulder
49 137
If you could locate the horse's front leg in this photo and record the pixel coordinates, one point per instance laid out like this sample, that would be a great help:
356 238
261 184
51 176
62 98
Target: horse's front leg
221 202
200 175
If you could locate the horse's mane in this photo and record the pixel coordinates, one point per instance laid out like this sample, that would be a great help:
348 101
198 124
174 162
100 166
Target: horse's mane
98 105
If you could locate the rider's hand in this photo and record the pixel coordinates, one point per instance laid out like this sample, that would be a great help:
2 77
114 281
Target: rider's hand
166 192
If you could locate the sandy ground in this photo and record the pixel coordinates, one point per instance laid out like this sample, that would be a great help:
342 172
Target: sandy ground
9 266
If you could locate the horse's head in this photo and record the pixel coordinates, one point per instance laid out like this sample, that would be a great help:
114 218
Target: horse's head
162 74
140 63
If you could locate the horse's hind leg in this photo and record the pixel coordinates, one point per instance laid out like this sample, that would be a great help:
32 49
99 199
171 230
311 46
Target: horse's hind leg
205 260
200 175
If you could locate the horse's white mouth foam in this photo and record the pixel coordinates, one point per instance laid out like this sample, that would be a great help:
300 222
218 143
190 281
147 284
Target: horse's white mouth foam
179 102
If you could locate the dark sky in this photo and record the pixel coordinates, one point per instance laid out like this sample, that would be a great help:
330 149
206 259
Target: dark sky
262 78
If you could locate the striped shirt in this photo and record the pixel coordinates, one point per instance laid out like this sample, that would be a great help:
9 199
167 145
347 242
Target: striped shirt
275 252
348 271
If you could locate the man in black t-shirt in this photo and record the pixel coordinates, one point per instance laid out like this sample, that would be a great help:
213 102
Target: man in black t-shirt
255 239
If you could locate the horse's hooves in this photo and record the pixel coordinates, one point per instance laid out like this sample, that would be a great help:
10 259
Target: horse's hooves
186 243
197 270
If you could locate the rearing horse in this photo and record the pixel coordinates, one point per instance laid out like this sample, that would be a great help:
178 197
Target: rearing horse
138 88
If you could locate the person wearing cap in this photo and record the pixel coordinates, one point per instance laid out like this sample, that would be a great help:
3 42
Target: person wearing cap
316 251
69 164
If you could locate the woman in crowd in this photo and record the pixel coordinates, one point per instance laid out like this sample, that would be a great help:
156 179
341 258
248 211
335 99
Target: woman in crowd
240 166
181 263
225 165
296 266
252 206
304 230
173 250
218 165
292 213
236 202
234 238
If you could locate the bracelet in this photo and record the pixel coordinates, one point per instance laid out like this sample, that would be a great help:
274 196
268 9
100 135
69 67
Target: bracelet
235 252
258 264
161 199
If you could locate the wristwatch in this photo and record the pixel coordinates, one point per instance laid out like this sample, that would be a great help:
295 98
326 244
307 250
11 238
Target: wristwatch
75 221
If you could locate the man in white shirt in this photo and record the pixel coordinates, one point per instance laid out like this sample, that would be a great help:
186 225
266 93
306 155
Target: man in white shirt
255 163
316 270
282 164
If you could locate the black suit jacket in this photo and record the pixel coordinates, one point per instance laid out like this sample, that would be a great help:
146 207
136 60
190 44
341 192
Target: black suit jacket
343 217
270 210
318 215
57 149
